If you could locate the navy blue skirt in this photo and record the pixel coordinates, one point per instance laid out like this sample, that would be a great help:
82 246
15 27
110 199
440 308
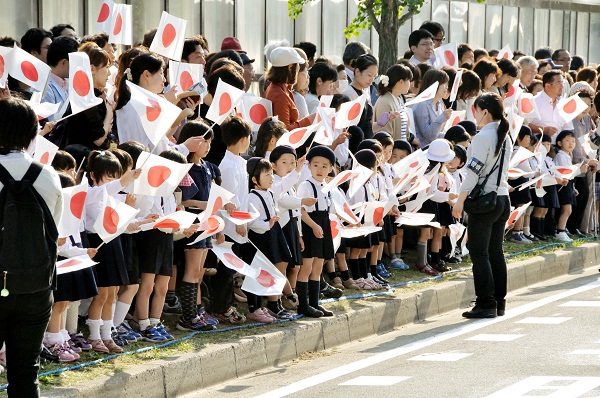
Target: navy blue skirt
313 246
292 237
272 244
111 269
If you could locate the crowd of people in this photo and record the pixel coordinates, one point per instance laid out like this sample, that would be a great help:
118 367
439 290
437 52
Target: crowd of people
143 274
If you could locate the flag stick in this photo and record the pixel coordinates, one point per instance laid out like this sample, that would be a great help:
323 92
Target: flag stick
80 165
101 244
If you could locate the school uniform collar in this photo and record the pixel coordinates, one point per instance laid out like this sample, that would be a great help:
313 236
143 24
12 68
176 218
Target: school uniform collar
236 159
317 183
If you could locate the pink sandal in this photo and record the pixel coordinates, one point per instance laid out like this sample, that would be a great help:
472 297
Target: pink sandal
112 346
98 346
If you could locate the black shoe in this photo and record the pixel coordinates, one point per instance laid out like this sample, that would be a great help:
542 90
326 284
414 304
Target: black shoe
531 237
451 260
332 292
309 311
500 307
539 236
478 312
440 267
325 311
47 356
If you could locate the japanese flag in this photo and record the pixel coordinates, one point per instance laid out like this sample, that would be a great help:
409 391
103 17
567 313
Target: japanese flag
255 110
456 85
513 94
325 101
159 176
471 110
28 69
268 282
519 156
350 112
375 211
217 198
177 220
104 21
184 75
568 172
326 117
515 122
5 61
569 108
44 109
297 137
169 37
114 218
427 94
213 225
505 53
412 165
339 179
241 217
342 208
44 150
421 184
516 173
121 24
527 107
414 219
463 246
155 112
360 178
74 264
455 117
81 85
446 55
336 231
225 253
515 214
73 205
457 230
225 100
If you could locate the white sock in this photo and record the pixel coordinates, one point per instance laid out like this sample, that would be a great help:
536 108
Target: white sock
94 326
106 330
121 310
52 338
154 321
526 230
144 323
65 335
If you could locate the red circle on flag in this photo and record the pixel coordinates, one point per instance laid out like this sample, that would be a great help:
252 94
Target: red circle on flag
186 80
213 225
297 136
217 206
104 13
414 164
512 218
473 110
526 105
157 175
505 55
70 263
110 221
233 260
570 106
77 202
349 212
118 24
449 57
456 120
334 229
168 223
81 83
511 92
378 215
1 65
153 111
333 123
514 125
258 113
354 112
346 177
169 34
29 71
45 157
241 215
225 104
265 279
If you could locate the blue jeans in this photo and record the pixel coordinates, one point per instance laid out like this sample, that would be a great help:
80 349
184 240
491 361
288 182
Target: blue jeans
486 234
23 321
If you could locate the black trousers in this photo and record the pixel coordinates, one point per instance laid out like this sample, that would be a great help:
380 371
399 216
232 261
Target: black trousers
574 221
23 321
486 233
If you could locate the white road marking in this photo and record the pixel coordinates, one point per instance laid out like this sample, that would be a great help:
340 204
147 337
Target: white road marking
495 337
585 352
374 381
546 320
577 387
464 328
581 304
441 356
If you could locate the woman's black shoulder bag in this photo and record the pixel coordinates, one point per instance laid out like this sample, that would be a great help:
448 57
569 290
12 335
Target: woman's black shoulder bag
479 201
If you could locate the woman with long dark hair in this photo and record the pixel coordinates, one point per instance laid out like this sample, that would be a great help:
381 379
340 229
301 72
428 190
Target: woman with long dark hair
486 231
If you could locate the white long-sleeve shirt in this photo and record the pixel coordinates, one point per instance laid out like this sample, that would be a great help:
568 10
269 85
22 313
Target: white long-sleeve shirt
235 179
262 224
286 197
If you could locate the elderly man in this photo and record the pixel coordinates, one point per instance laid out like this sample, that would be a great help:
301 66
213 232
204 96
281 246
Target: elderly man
550 121
529 66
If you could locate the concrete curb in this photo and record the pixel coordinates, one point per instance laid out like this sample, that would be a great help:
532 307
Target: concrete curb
221 362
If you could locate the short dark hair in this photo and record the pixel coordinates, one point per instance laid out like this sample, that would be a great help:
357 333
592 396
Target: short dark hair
416 36
470 86
432 27
261 165
508 67
102 164
173 155
484 68
7 41
549 76
66 180
60 48
480 52
124 158
57 29
416 72
320 70
543 53
363 62
148 37
228 74
556 54
587 74
234 129
134 149
432 76
214 57
577 62
309 48
101 39
402 145
338 99
33 38
354 50
64 161
189 46
18 124
462 49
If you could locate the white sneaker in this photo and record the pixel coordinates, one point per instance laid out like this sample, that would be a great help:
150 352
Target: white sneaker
525 240
563 237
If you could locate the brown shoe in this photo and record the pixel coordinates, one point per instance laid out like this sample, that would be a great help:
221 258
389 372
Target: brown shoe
289 304
98 346
112 346
239 295
350 284
337 283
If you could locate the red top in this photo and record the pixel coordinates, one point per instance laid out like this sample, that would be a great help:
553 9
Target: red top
284 107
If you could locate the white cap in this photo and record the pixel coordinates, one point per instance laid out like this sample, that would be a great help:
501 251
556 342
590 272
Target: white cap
284 56
439 151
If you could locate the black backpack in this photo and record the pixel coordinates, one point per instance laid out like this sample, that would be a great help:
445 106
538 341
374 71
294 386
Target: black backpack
28 236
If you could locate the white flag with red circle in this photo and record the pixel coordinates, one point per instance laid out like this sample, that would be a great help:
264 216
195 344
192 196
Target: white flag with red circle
360 178
178 220
324 134
44 151
420 185
406 169
217 198
568 172
325 101
114 218
339 179
255 110
104 20
336 230
241 217
120 31
571 107
225 253
160 176
513 94
28 69
457 230
342 208
213 225
505 53
225 100
81 85
268 282
297 137
455 118
515 122
375 211
427 94
73 206
515 214
169 37
527 107
414 219
446 55
184 75
456 85
5 61
471 109
350 112
74 264
155 112
519 156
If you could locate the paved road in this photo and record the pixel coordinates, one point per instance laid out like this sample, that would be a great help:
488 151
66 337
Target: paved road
547 345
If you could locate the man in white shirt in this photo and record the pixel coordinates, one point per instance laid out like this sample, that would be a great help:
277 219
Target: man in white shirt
421 44
550 121
57 91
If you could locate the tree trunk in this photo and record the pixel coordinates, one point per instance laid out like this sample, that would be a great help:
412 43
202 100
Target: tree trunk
388 35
